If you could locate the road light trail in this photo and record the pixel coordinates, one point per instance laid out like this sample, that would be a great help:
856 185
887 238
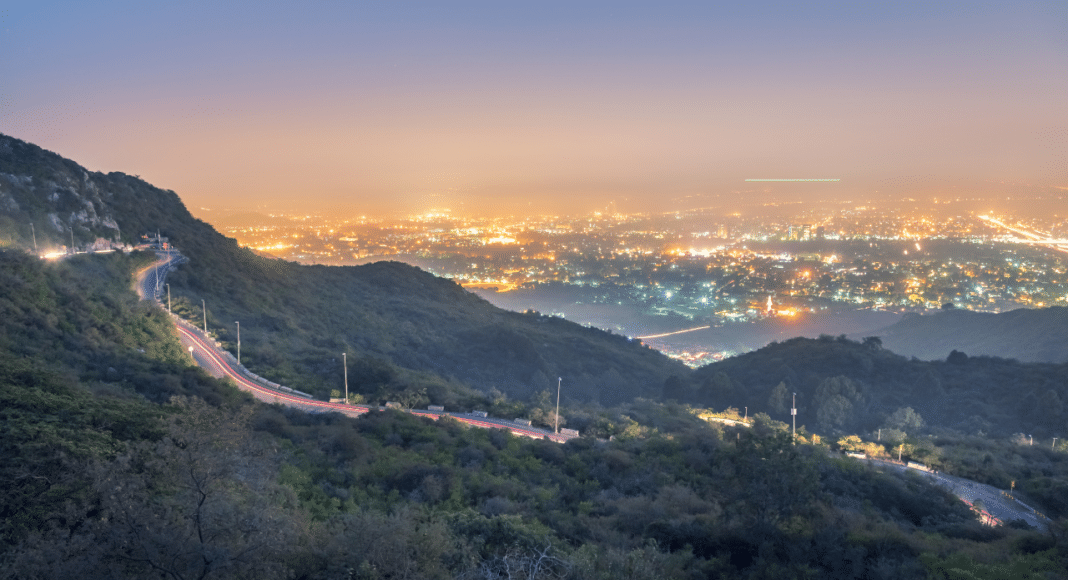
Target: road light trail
213 359
673 333
1033 238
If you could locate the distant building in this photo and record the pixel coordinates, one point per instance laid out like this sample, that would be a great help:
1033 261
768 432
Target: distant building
156 241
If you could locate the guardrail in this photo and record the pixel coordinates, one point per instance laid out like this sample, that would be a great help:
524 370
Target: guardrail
518 426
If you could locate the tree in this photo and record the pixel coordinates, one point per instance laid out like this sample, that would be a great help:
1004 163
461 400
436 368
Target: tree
834 411
834 400
778 398
412 397
904 419
200 503
851 443
956 358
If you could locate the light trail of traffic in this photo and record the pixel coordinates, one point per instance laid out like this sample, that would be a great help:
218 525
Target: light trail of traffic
673 333
1034 238
270 396
212 359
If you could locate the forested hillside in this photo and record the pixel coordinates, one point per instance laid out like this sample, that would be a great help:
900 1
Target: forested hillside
403 329
123 462
844 385
1027 335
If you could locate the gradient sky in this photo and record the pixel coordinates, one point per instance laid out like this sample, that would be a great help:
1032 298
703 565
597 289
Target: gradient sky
496 107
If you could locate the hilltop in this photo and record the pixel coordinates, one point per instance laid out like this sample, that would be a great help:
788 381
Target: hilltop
1028 335
123 461
403 329
849 385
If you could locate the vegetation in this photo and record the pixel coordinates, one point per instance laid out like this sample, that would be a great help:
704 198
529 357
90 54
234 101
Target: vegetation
1029 335
107 480
122 460
843 386
401 328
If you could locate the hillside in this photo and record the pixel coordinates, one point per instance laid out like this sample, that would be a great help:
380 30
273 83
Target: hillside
123 461
401 327
102 479
1027 335
847 385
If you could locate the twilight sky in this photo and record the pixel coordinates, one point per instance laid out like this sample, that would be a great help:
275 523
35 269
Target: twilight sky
496 107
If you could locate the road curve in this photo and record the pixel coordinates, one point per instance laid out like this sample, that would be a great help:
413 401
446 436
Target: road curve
219 363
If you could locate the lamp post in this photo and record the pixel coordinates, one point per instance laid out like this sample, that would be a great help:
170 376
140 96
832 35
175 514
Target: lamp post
168 298
72 240
746 419
238 341
1032 438
558 381
345 364
204 309
793 415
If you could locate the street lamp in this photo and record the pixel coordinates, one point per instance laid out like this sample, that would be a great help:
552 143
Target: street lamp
204 309
558 381
168 298
793 414
345 364
238 341
746 414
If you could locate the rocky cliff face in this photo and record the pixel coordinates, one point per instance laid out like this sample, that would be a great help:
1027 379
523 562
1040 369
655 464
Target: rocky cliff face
58 197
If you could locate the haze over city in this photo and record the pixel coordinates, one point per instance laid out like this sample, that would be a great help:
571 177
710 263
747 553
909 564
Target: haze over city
492 109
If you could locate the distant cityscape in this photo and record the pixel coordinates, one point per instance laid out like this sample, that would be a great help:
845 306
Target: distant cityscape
707 267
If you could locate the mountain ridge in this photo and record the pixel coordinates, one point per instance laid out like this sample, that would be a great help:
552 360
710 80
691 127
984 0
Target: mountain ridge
1025 334
401 327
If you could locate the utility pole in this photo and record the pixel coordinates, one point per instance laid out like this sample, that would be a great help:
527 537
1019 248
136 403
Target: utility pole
34 234
558 381
793 414
238 341
345 363
204 309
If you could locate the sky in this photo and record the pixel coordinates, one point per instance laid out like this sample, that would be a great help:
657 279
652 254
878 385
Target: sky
552 106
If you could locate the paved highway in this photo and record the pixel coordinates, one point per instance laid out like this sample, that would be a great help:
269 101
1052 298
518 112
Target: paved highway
998 505
219 363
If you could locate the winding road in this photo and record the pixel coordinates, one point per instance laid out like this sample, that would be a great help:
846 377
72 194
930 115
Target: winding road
207 354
